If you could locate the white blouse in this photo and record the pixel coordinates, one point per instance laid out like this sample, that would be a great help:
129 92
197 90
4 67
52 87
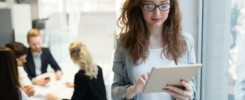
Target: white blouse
23 78
154 59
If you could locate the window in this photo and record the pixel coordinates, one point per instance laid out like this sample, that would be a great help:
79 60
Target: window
215 49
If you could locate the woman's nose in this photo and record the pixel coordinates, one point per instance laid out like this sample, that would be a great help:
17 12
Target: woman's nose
157 11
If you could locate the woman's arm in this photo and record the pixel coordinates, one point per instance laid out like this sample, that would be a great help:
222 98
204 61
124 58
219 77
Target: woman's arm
119 85
80 87
137 87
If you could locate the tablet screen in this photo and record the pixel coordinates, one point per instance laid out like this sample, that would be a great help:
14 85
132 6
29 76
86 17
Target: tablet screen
160 77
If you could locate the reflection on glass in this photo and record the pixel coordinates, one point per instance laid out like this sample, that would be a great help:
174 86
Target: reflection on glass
237 52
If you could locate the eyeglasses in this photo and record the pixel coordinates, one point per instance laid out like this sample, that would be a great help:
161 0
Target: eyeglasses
152 7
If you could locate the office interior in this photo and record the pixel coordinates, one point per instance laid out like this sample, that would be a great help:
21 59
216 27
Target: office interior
217 27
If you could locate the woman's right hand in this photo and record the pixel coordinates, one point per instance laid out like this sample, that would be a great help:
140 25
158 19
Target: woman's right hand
29 90
137 87
140 83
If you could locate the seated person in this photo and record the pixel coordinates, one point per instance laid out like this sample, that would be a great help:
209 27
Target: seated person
20 52
9 86
89 82
38 59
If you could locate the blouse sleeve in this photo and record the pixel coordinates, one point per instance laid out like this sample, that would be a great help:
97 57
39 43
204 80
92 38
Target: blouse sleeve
191 59
119 85
80 87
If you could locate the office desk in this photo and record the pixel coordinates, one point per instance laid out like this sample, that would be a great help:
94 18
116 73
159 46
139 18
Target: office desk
55 87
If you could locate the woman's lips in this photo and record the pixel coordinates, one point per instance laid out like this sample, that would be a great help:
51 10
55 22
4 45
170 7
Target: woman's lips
156 19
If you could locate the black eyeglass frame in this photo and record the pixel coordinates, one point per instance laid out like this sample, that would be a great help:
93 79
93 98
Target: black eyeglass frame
158 6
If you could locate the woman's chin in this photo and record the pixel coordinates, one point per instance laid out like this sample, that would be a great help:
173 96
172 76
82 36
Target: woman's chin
156 24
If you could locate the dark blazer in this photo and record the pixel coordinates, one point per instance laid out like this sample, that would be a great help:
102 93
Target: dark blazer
87 89
46 59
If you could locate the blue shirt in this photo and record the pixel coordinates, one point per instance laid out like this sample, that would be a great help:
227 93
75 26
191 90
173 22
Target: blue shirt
37 62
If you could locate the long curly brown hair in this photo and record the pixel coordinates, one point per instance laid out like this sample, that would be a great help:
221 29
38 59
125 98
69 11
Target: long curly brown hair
134 35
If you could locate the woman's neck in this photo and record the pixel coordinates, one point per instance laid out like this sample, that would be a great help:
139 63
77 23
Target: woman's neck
155 30
155 37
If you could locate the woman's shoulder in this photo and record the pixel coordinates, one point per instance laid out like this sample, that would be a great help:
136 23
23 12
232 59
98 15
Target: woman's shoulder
189 57
120 49
81 73
81 77
189 39
119 44
99 68
187 36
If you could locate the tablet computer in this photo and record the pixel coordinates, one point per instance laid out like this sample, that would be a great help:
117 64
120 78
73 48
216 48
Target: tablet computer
161 76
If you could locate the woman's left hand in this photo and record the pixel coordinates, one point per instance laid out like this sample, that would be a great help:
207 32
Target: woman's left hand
180 94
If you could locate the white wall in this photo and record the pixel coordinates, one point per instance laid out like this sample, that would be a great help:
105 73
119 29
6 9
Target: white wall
21 21
96 30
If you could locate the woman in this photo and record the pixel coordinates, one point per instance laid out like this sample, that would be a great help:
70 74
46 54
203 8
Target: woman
151 35
89 82
20 52
9 85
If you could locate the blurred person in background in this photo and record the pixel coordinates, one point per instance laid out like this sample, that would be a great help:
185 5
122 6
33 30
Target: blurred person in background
88 82
38 59
20 52
9 84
